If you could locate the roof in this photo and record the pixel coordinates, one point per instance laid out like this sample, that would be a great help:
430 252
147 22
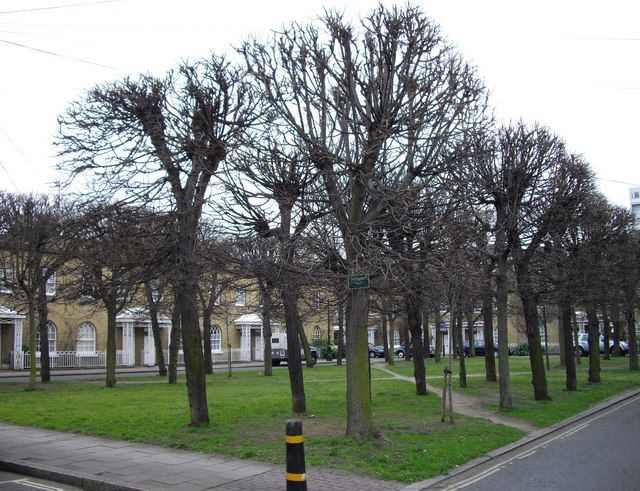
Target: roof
139 314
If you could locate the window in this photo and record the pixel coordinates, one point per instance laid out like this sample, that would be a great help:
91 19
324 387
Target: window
636 195
218 293
6 278
86 340
371 335
51 285
241 297
316 333
396 337
372 310
315 301
216 338
51 334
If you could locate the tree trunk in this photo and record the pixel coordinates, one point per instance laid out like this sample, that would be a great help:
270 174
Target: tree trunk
407 339
425 334
111 340
546 336
206 340
186 269
470 333
438 346
32 342
594 343
414 309
265 292
616 331
487 318
174 346
506 401
304 344
607 332
43 320
561 338
388 352
569 352
340 353
631 333
576 344
359 412
530 307
293 326
155 329
459 347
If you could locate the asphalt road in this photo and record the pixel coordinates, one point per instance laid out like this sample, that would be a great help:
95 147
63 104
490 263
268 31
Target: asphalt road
17 482
599 453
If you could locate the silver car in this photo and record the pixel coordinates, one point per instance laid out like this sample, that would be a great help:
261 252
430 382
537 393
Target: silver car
583 343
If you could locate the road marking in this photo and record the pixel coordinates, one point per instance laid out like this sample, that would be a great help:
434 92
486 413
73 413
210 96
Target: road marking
525 456
491 470
29 484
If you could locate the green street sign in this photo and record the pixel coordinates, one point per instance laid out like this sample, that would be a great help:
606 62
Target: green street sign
358 281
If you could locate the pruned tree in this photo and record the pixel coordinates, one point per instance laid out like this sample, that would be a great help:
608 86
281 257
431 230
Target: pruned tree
38 237
372 107
152 140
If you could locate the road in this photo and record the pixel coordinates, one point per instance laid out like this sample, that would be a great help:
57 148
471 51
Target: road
600 452
17 482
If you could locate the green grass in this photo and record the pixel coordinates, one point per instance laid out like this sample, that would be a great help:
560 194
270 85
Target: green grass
616 378
248 414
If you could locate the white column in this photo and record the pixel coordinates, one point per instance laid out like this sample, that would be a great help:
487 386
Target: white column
245 343
128 344
17 344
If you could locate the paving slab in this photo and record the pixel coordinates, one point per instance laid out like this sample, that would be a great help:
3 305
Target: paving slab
100 463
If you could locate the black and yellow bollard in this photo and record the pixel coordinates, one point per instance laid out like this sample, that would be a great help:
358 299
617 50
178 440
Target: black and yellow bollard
296 472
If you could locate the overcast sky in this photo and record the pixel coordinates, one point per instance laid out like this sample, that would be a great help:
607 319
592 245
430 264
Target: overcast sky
571 65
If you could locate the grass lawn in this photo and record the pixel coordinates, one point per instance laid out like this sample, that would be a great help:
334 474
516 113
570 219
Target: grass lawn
616 378
248 413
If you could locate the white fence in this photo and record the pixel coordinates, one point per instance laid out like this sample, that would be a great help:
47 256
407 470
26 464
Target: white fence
73 359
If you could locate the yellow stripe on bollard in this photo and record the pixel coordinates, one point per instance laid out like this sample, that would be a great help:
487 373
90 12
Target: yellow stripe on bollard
296 477
294 438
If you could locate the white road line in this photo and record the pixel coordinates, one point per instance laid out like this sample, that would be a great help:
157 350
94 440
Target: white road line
525 455
478 478
29 484
529 451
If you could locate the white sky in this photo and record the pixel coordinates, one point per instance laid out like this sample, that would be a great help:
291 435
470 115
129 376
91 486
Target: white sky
570 65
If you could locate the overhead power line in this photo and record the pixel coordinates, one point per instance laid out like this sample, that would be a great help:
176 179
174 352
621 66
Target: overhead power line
8 176
55 7
618 182
18 149
81 60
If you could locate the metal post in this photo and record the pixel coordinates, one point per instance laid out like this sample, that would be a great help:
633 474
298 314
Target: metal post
296 469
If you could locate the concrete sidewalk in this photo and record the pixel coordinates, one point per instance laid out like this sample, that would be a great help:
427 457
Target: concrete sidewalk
99 463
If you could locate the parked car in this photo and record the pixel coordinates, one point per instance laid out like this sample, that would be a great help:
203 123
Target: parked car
376 351
480 348
583 343
401 353
279 352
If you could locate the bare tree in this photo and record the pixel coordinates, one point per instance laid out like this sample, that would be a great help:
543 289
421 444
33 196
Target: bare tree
373 107
162 140
37 239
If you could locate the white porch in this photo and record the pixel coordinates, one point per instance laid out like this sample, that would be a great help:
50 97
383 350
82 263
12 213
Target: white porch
251 337
11 323
138 317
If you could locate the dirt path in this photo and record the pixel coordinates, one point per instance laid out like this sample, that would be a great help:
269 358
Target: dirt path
467 405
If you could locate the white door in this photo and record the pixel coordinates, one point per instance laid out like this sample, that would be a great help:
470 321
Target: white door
149 348
258 350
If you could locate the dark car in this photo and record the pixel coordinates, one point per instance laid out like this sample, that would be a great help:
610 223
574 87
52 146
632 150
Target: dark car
376 351
401 353
480 348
